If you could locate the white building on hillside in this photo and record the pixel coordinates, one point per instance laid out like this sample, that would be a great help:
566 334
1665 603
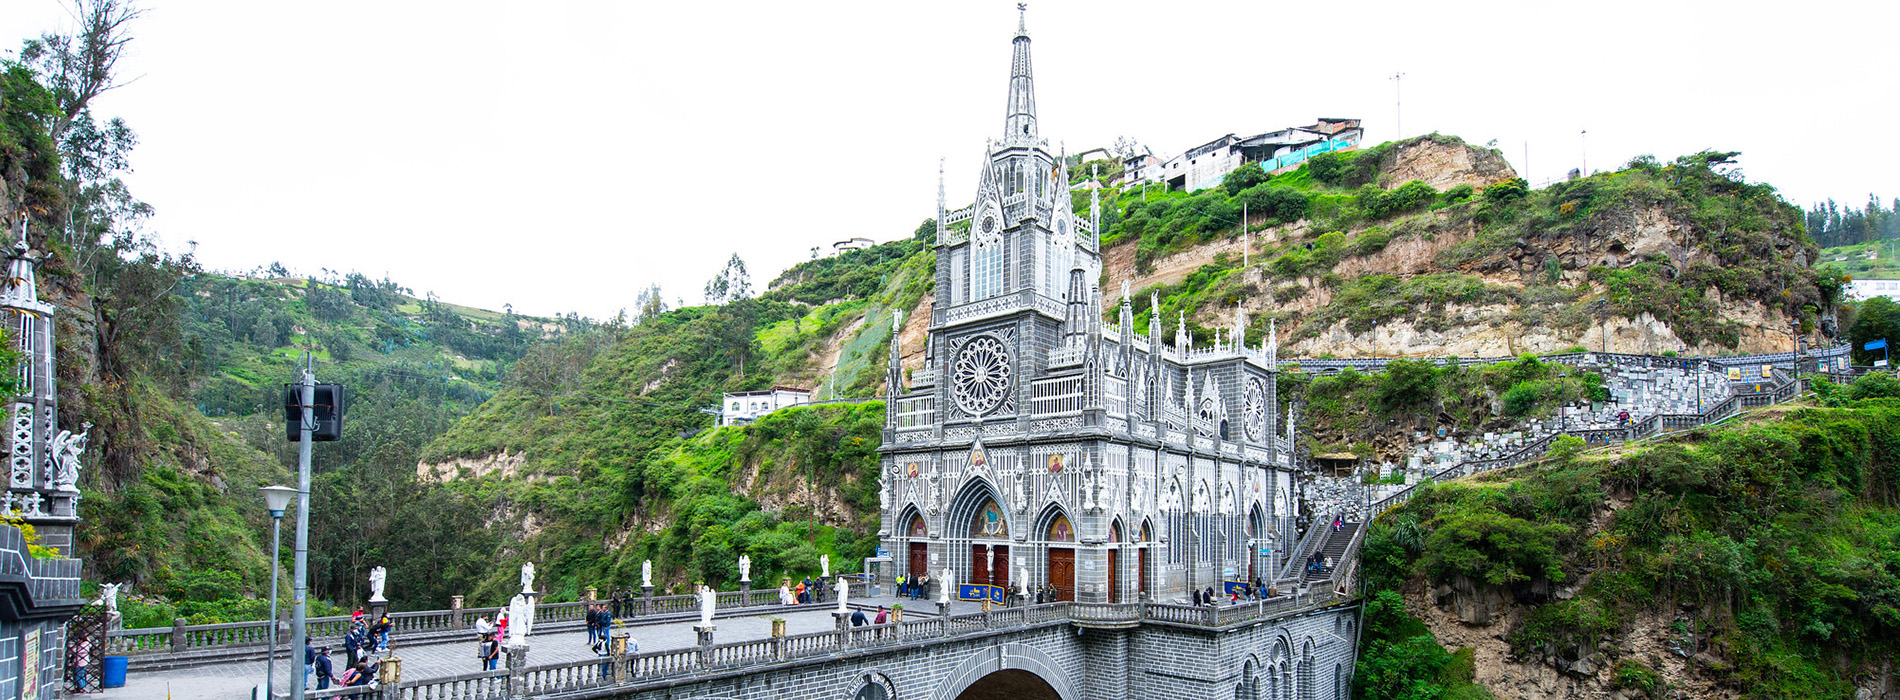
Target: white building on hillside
1863 289
1203 166
740 408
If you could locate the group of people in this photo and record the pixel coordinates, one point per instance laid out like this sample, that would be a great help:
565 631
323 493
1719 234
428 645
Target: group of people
1319 564
858 619
802 592
916 585
361 645
1255 590
600 622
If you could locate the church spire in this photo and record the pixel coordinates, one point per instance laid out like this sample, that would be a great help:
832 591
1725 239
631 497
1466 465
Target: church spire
1019 126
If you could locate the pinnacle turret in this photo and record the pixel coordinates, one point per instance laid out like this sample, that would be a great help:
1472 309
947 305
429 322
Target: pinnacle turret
1019 123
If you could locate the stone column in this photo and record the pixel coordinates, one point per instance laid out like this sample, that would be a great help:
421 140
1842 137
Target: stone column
646 600
517 662
178 634
843 620
745 593
705 643
455 612
617 648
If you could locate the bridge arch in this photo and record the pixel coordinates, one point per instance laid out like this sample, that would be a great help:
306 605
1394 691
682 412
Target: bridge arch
1006 657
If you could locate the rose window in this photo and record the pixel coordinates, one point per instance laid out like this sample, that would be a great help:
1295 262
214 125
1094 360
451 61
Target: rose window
982 376
1256 411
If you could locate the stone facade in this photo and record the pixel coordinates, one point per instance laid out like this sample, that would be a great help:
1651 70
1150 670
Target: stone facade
1038 440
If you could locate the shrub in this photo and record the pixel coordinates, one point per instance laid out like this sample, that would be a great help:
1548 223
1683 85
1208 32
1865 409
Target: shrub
1243 177
1631 674
1458 194
1372 241
1507 191
1410 196
1279 202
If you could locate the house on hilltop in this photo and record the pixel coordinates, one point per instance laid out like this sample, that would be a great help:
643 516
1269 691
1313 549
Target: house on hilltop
1203 166
742 407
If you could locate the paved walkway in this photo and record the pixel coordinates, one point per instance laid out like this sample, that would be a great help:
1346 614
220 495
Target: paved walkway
235 681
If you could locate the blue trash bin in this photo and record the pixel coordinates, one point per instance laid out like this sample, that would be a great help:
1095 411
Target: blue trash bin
115 671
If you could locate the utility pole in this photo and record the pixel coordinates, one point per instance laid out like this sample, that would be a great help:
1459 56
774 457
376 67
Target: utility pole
1583 148
1398 123
307 389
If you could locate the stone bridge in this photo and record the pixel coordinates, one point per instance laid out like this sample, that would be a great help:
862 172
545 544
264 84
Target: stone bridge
1293 647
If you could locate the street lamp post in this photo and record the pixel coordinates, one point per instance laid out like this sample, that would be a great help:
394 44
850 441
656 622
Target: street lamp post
276 498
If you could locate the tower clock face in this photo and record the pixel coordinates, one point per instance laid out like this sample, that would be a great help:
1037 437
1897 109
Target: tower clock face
982 375
1256 419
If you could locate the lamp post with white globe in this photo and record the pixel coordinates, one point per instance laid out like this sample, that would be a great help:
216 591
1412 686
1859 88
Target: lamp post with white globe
276 499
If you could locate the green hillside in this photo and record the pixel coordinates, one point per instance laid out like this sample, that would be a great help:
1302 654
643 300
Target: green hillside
1761 558
1560 257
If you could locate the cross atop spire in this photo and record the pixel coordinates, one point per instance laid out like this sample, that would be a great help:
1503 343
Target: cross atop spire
1019 124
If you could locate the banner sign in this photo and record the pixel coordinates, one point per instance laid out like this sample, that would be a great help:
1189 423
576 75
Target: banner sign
1238 588
980 591
1734 374
1767 371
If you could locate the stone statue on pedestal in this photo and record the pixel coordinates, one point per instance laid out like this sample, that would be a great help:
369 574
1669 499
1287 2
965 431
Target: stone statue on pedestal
527 577
109 596
949 582
824 565
745 568
376 578
646 573
520 620
844 591
708 599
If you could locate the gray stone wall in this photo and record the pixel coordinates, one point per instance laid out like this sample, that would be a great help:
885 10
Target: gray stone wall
1304 657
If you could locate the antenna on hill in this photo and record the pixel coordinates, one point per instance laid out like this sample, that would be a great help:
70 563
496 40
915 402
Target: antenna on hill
1398 123
1583 149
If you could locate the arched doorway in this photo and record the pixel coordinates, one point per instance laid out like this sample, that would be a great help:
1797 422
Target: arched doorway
989 548
977 526
1061 559
919 548
1115 541
1256 533
1141 560
1014 684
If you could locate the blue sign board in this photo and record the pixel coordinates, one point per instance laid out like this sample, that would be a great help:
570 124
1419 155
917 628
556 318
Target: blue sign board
1238 588
1875 344
979 591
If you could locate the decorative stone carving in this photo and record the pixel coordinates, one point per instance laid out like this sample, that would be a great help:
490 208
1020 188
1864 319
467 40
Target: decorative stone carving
527 578
646 573
824 565
66 449
745 568
708 599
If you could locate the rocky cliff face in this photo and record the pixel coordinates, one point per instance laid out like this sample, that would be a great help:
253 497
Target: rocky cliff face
1545 270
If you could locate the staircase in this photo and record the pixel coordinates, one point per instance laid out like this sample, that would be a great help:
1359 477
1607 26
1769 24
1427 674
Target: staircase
1334 547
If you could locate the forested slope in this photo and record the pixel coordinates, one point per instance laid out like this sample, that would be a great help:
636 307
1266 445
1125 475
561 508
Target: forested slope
1759 559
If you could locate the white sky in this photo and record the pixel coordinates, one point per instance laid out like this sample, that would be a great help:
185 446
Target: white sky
561 155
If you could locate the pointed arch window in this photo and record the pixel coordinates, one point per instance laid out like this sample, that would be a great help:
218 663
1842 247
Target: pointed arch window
1060 530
